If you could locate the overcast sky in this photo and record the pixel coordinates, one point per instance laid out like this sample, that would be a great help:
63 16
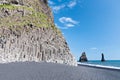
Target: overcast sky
92 26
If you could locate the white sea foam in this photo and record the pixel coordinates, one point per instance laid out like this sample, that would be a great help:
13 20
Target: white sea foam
98 66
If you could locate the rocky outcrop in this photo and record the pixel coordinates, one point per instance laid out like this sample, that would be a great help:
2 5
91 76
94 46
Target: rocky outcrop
102 59
28 33
83 57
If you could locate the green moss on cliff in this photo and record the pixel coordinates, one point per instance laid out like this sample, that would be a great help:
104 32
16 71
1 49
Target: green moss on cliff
13 7
38 19
28 15
6 6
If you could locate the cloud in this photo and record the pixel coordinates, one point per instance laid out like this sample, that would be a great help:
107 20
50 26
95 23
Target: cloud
72 4
51 2
67 20
60 26
69 25
93 48
59 0
57 8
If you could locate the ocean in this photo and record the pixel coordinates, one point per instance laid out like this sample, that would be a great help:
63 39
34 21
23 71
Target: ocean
112 63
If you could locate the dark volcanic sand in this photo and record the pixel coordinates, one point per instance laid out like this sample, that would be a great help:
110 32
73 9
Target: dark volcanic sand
50 71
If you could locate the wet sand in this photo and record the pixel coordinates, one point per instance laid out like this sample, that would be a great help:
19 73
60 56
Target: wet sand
51 71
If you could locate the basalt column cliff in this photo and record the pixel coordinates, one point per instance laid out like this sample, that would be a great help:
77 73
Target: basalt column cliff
28 33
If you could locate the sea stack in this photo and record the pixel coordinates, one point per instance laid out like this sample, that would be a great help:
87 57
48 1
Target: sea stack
83 57
28 33
102 59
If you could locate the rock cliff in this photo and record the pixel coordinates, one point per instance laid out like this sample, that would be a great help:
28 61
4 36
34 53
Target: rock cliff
83 57
28 33
102 59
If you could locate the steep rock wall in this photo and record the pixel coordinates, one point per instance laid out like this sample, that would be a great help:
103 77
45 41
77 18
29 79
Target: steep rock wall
28 33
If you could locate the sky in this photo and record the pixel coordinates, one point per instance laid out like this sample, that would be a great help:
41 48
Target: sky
91 26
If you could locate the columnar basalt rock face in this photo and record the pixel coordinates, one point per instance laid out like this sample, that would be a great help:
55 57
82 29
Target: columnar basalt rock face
28 33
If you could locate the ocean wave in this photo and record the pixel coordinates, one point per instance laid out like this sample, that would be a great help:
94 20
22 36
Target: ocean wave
99 66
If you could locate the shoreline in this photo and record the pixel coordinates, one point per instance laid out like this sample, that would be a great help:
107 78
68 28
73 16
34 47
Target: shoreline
99 66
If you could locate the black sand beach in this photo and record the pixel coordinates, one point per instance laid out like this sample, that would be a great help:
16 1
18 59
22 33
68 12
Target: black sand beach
50 71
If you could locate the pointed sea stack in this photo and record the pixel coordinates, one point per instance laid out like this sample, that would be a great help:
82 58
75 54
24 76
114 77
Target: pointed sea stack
103 59
83 58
